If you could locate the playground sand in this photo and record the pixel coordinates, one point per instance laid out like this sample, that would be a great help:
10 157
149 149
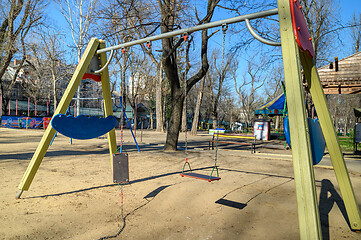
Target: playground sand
73 197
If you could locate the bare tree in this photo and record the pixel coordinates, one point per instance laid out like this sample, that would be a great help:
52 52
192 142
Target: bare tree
169 11
356 31
324 24
19 17
137 19
51 46
274 83
218 79
137 16
198 106
140 80
37 82
80 15
252 81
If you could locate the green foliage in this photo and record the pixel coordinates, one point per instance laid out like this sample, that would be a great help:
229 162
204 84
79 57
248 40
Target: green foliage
346 143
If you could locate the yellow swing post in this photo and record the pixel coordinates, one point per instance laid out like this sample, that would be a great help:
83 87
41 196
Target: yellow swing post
333 146
308 215
108 107
293 57
44 143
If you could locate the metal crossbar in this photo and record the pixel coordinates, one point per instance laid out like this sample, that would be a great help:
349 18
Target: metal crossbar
189 30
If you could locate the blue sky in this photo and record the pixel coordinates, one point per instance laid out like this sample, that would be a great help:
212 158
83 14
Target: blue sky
348 7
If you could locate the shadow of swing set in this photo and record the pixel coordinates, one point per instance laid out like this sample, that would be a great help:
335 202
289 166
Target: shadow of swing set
297 52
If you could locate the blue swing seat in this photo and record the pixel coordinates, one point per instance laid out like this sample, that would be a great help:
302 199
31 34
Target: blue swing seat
317 140
82 127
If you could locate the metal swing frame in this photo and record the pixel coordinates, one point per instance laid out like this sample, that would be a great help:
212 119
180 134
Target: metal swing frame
293 58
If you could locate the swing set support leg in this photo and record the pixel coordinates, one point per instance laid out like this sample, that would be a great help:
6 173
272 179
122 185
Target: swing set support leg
108 107
49 133
130 127
308 213
333 146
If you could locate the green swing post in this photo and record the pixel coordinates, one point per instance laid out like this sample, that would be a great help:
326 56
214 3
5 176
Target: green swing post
333 145
308 214
108 108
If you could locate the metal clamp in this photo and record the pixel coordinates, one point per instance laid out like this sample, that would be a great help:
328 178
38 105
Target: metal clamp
224 27
258 37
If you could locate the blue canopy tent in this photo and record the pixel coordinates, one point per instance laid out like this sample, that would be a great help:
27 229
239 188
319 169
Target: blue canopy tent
272 108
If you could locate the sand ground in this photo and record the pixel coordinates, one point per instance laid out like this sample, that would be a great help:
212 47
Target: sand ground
73 197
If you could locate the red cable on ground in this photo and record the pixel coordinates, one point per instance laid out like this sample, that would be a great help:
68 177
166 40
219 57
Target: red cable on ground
121 137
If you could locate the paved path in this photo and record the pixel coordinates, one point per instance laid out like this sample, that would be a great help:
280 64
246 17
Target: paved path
353 162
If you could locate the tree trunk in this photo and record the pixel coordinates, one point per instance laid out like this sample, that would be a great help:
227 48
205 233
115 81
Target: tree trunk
1 104
277 123
171 71
214 119
163 112
175 120
151 119
184 118
158 99
54 89
214 114
197 110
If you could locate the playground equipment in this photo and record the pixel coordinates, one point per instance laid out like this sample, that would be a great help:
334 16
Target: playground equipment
121 125
234 138
56 133
273 107
297 50
191 174
82 127
317 140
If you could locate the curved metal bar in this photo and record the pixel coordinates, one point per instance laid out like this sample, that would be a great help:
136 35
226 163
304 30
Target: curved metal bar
107 63
193 29
258 37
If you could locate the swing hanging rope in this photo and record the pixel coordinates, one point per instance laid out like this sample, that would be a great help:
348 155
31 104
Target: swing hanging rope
224 30
215 168
185 37
122 101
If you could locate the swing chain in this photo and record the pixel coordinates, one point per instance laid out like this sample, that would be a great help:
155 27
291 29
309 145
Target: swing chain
185 36
122 100
224 30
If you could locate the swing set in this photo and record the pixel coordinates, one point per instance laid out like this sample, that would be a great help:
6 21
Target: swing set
298 53
192 174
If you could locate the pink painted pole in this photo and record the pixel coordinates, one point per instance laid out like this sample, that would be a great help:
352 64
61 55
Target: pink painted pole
9 106
35 109
28 107
16 108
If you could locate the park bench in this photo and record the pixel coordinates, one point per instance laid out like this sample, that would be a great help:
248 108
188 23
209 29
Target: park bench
233 136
